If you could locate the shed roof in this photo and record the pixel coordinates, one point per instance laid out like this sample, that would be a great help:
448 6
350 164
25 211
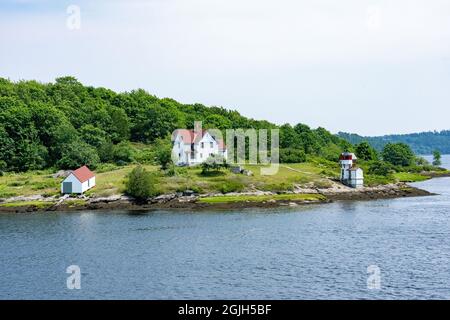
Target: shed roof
83 174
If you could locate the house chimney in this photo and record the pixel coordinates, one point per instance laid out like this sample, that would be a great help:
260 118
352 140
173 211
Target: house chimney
198 128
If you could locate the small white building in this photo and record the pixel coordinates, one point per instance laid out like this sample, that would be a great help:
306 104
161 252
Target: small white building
191 147
78 181
351 175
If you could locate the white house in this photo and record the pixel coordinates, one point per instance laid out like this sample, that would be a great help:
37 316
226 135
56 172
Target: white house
350 174
78 181
191 147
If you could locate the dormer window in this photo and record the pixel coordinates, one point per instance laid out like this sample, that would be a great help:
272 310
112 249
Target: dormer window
211 144
203 145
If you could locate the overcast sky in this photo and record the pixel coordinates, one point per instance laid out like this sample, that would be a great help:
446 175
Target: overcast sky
371 67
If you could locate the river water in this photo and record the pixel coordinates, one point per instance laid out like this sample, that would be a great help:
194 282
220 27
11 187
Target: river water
309 252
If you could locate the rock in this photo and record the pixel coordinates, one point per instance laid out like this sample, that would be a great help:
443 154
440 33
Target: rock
247 172
188 193
165 197
61 174
236 169
293 204
272 201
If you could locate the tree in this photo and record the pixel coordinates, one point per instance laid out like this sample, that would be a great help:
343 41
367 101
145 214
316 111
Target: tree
141 184
92 135
122 153
77 154
381 168
365 151
163 153
398 154
290 155
436 158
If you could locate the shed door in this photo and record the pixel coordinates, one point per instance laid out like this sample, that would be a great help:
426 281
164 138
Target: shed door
67 187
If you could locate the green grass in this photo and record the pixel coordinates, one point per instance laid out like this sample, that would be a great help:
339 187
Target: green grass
110 179
277 197
409 177
38 204
75 202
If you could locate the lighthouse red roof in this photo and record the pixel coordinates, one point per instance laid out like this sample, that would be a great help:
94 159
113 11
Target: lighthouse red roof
83 174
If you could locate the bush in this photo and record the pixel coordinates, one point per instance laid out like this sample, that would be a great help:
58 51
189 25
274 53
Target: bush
141 184
214 163
381 168
122 153
398 154
290 155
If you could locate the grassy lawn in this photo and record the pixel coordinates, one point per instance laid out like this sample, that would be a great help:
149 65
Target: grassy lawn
409 177
110 179
39 204
277 197
29 183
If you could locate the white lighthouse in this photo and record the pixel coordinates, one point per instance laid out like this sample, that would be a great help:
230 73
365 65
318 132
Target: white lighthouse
351 175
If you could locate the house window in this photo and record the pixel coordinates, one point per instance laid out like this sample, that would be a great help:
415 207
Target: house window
211 144
203 145
179 155
178 145
201 155
89 183
192 155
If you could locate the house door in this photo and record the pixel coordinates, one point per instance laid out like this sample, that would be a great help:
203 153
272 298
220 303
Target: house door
67 187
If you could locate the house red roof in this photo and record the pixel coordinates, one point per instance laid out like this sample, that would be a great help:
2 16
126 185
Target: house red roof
191 136
83 174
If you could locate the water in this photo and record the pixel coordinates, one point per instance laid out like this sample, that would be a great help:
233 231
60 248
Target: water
310 252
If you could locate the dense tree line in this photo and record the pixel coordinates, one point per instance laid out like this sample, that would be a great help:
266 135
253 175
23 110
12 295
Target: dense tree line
421 143
66 124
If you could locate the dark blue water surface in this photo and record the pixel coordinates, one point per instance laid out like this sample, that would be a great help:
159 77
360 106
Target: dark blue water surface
308 252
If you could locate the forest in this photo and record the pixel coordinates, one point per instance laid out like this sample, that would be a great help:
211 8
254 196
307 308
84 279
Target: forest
65 124
424 143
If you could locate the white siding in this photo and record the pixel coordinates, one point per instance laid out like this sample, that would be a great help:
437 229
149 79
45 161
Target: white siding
77 186
202 150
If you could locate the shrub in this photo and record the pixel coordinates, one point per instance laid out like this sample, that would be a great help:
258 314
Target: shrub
122 153
290 155
214 163
141 184
381 168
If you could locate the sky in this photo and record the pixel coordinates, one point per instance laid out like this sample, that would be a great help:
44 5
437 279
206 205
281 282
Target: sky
372 67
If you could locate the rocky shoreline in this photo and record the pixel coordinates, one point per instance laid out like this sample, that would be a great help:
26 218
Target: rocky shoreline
189 201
